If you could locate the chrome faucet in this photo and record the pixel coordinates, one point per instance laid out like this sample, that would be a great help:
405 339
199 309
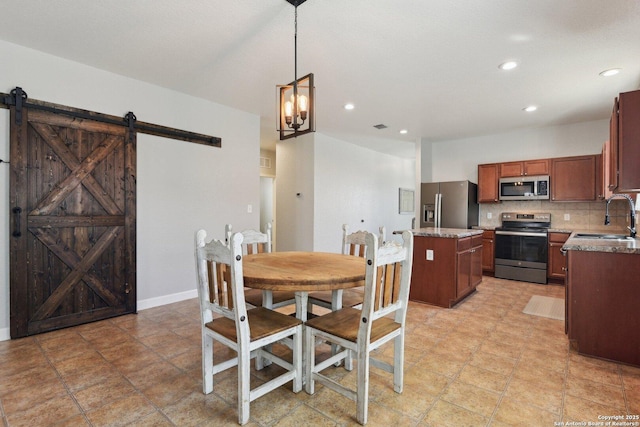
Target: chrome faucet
632 215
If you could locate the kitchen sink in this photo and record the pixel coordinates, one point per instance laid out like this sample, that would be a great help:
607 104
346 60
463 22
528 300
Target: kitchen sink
602 236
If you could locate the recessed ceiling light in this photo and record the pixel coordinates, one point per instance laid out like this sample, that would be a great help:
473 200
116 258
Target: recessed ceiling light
610 72
530 108
349 106
403 131
509 65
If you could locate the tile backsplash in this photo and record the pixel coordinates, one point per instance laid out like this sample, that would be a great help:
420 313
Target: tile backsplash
578 216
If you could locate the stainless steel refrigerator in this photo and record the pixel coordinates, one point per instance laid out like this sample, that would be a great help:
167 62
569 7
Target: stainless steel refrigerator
452 204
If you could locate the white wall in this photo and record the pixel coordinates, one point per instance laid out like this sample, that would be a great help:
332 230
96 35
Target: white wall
181 186
295 193
358 187
459 159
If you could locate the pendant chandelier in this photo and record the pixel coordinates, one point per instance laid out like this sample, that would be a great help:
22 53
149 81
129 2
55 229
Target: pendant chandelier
296 107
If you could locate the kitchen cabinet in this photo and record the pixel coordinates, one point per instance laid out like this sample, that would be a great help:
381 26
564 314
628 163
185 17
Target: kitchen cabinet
603 190
573 179
524 168
488 183
624 174
557 264
488 251
445 270
469 260
602 294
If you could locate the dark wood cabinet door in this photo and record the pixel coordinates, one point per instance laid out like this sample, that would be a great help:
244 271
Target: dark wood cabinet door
476 266
613 148
536 167
573 178
72 247
557 261
628 142
463 282
511 169
488 183
488 241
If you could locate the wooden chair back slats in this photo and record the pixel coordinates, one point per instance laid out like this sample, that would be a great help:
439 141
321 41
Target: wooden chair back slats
254 241
388 279
354 243
216 290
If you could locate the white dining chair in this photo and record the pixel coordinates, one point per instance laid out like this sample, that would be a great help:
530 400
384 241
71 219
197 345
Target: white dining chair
257 242
352 244
226 320
382 319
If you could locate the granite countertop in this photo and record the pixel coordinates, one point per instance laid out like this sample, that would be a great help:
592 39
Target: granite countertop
445 232
602 245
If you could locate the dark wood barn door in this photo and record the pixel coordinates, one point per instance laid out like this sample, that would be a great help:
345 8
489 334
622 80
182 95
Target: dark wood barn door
73 245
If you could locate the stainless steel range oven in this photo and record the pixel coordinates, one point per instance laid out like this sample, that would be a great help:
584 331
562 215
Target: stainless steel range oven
521 247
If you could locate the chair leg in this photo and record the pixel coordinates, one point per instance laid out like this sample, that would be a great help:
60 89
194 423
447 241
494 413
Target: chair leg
362 394
297 359
348 361
309 359
398 363
207 364
244 386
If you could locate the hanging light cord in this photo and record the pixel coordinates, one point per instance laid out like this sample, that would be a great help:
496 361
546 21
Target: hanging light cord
295 46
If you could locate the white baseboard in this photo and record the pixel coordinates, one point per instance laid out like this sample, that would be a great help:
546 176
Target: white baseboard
166 299
5 333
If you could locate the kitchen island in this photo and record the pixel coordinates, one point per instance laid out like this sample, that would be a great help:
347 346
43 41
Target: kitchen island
447 265
602 316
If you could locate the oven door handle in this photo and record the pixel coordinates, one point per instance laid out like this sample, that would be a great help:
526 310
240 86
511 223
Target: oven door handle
520 233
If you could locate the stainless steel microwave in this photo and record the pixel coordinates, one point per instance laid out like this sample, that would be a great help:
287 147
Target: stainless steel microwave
524 188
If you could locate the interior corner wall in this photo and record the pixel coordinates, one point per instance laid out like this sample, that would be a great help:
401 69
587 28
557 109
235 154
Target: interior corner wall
358 187
426 160
295 197
459 159
181 186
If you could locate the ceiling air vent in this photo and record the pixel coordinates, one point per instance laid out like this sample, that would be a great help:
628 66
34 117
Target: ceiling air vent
380 126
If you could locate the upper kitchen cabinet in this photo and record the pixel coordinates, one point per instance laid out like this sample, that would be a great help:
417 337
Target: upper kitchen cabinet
524 168
488 183
573 179
624 153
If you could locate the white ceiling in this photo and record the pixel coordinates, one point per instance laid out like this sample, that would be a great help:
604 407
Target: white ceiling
425 65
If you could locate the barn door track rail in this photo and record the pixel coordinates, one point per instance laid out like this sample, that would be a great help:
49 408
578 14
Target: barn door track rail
18 99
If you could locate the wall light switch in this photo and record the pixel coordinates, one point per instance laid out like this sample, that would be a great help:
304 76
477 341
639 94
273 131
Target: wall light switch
249 208
429 254
567 217
489 215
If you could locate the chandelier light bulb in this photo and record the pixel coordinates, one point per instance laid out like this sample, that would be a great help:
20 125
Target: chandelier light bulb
302 102
288 111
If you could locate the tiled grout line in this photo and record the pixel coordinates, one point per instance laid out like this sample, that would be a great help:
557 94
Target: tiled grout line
122 375
506 386
564 386
450 380
38 342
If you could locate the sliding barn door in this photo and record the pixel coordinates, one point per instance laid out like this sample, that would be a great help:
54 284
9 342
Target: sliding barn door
73 254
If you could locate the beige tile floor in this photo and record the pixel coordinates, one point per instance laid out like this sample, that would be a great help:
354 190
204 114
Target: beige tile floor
481 363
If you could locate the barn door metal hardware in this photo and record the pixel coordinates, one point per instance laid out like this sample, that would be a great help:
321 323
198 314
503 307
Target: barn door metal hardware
18 99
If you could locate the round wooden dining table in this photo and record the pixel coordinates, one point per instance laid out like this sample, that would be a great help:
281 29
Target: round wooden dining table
303 272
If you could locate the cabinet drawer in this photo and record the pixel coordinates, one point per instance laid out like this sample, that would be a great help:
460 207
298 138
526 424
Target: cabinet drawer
489 234
558 237
464 244
476 241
